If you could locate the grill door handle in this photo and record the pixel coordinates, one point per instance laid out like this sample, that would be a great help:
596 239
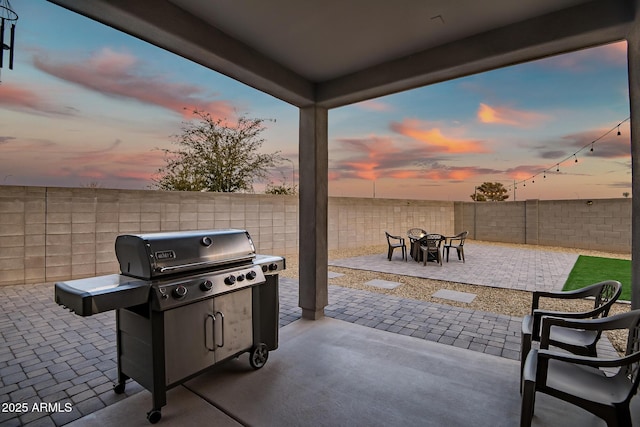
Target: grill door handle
213 331
221 328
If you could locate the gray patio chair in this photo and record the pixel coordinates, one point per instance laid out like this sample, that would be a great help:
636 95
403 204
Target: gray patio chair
430 247
579 379
456 242
396 242
582 342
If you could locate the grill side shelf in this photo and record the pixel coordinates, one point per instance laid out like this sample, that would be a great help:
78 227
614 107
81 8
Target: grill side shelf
86 297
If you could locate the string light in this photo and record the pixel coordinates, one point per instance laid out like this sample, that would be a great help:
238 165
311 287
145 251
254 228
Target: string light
574 155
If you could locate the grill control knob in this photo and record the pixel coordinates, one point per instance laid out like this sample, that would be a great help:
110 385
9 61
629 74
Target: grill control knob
179 292
273 266
241 278
251 275
230 280
206 285
265 268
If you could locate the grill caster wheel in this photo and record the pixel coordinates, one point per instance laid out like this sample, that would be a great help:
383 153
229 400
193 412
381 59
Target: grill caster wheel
258 356
154 415
118 388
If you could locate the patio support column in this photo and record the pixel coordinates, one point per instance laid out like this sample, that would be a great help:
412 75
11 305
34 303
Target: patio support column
313 255
633 61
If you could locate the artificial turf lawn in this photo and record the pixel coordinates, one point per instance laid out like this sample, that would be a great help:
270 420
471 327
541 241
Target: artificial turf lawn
592 269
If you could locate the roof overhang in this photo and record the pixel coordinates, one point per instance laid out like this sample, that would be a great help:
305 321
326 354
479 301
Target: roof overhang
387 50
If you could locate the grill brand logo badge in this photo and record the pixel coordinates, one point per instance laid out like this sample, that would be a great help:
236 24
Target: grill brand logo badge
165 255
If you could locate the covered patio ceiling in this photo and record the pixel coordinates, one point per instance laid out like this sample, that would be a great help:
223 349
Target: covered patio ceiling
335 52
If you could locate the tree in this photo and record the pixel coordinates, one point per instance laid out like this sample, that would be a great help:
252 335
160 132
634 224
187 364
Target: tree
213 155
283 188
91 184
490 191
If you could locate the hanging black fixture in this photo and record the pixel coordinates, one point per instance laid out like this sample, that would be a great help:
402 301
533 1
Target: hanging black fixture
8 17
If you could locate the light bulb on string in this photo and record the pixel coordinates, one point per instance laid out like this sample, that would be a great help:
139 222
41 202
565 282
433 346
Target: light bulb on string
591 146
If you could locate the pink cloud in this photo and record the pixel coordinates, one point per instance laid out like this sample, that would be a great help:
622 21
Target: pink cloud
443 174
109 165
50 163
373 105
16 97
613 53
370 155
376 157
433 138
10 145
522 172
508 116
118 75
111 159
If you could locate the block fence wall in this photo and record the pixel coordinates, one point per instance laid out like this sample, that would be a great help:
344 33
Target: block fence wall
599 224
49 234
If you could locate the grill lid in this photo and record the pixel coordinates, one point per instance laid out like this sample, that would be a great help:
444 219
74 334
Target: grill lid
149 256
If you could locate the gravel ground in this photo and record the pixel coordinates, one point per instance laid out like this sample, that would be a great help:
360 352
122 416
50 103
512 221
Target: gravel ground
494 300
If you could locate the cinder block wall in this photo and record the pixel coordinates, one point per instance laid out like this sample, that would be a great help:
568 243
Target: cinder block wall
50 234
359 221
500 222
599 224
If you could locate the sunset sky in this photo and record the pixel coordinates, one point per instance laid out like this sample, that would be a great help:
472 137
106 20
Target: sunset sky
87 104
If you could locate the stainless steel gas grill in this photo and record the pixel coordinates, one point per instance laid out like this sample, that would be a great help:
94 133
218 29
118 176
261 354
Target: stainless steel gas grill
184 301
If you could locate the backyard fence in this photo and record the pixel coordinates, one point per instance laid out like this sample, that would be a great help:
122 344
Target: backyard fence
49 234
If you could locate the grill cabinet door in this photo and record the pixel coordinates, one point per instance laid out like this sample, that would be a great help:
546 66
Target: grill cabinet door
194 341
233 326
188 331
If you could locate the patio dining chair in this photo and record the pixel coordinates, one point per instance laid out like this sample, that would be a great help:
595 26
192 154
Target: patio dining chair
430 247
456 242
579 380
414 235
577 341
396 242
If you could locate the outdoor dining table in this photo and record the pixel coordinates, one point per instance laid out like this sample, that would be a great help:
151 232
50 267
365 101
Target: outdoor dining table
418 239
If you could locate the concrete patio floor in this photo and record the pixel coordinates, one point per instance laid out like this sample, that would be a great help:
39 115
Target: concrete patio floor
334 373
